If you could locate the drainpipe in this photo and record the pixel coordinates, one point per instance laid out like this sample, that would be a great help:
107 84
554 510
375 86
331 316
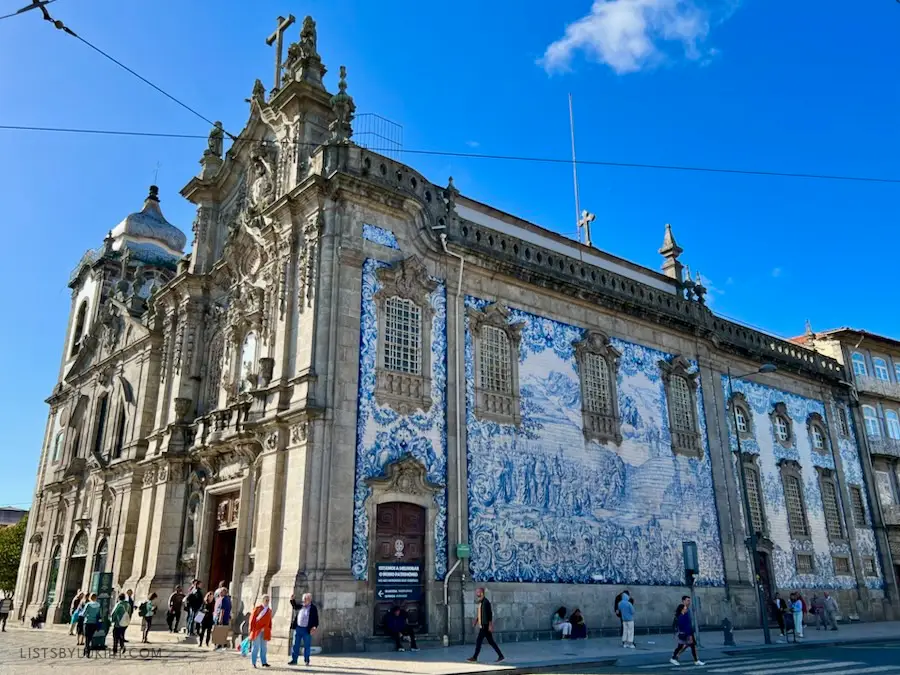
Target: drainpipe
460 383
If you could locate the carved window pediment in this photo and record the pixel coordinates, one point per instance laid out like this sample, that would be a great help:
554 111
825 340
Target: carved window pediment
405 476
496 343
818 436
404 311
681 396
598 363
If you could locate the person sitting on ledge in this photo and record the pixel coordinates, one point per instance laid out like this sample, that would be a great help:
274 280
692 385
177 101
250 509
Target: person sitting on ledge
559 623
579 628
397 624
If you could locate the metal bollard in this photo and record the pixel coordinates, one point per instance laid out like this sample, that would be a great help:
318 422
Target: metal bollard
728 632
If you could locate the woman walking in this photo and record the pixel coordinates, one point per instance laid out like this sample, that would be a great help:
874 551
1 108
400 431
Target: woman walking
260 631
91 617
147 610
685 632
206 624
73 611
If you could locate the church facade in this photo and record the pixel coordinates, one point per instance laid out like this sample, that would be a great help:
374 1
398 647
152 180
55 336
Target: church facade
359 383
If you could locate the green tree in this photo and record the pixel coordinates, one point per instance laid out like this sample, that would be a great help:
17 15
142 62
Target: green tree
12 541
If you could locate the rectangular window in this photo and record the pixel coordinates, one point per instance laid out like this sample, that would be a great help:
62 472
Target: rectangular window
682 416
869 568
804 563
842 422
881 369
897 371
858 506
753 494
794 501
596 384
495 365
832 511
841 566
402 336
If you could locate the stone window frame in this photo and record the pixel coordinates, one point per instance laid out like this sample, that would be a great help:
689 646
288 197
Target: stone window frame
812 562
739 402
492 405
79 329
815 423
892 424
57 449
881 361
858 506
877 430
843 423
600 426
779 410
790 468
405 392
753 471
869 568
684 442
847 571
859 365
828 477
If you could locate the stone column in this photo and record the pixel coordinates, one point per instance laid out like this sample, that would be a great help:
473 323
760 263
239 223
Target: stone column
124 530
144 531
162 570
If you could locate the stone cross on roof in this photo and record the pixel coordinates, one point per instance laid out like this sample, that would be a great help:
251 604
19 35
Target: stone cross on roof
278 39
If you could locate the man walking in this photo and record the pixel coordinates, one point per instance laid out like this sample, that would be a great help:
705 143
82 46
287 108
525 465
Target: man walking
831 610
484 622
173 616
780 609
626 611
305 625
118 620
6 608
129 598
193 601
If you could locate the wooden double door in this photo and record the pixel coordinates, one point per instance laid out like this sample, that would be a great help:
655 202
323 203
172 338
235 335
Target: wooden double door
400 543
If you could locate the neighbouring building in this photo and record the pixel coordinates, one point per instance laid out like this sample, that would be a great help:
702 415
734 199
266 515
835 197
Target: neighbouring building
363 384
873 366
10 516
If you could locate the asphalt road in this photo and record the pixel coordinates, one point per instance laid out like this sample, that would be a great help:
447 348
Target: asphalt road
862 659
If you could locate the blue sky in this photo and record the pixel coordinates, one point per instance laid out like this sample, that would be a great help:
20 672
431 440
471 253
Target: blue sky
796 86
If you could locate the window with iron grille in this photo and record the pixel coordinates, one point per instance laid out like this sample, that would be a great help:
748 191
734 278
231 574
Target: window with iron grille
858 506
753 494
402 336
804 563
832 510
841 565
596 384
495 366
682 415
869 568
793 490
842 422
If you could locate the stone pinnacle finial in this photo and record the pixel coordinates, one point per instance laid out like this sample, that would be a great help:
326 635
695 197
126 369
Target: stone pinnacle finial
344 109
451 193
809 330
670 251
154 194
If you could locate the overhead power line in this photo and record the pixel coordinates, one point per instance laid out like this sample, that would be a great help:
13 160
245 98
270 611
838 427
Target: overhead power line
38 4
473 155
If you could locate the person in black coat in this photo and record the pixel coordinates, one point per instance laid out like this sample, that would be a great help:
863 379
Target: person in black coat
484 622
396 622
306 623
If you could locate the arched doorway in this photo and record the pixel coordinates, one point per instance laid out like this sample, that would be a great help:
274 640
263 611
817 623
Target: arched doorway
75 571
399 554
54 574
100 556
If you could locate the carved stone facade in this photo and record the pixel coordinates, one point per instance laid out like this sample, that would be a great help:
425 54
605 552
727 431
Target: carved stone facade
344 335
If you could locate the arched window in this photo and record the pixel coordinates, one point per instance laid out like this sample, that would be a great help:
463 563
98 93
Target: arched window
873 426
119 445
102 410
58 441
101 555
54 574
742 417
782 428
742 425
818 438
893 424
859 364
881 369
402 336
80 545
78 333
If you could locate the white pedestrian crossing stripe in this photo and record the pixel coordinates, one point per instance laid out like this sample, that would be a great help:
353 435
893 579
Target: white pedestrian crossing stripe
717 662
819 667
780 666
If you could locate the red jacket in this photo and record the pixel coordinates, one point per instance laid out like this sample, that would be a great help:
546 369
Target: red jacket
261 624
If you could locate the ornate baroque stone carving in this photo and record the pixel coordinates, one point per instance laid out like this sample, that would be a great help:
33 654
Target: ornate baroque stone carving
149 476
406 476
309 258
300 432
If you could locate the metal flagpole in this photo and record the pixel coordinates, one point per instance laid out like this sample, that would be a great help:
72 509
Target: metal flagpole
574 169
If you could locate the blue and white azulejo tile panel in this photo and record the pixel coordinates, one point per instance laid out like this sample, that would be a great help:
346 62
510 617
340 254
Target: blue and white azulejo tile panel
547 506
380 235
384 436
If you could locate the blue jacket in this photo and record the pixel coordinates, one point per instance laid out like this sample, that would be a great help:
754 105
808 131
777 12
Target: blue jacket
685 625
626 609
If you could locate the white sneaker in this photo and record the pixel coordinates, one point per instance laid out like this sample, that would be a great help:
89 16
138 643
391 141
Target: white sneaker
699 663
674 662
631 646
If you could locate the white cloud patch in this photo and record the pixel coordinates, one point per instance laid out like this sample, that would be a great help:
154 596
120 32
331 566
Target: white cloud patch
473 144
729 281
628 35
776 272
712 291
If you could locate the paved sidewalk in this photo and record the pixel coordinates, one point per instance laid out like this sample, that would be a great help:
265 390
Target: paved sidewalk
522 657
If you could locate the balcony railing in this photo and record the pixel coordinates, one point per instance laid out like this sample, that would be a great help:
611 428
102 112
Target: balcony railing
891 514
888 447
873 385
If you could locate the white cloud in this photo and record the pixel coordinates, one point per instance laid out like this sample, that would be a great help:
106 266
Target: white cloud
712 291
776 272
473 144
627 35
729 281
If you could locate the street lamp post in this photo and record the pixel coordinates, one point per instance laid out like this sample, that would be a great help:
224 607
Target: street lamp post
751 540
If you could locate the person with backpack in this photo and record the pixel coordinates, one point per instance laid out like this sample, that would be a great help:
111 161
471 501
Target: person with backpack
684 632
6 608
146 610
119 620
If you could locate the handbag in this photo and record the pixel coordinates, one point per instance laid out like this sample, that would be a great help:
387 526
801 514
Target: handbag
199 616
220 635
245 646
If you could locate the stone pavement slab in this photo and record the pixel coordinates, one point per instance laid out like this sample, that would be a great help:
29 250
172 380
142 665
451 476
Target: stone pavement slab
25 651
